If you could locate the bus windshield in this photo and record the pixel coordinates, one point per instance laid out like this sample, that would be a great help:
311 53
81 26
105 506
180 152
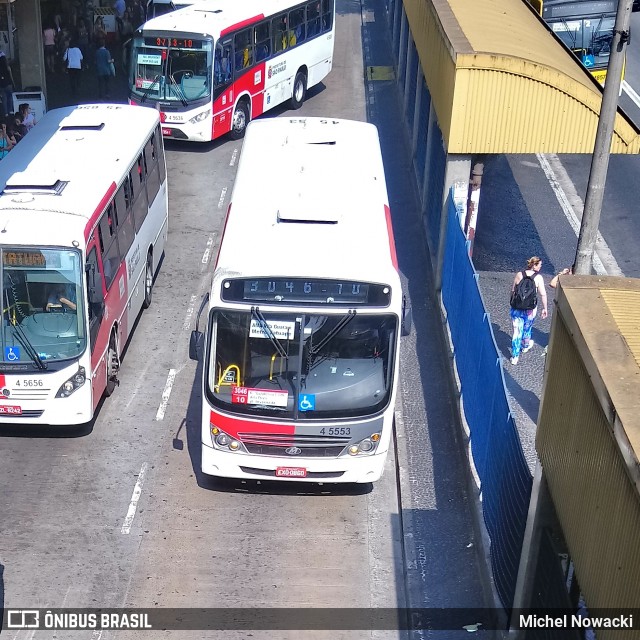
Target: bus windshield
304 366
589 38
42 305
171 69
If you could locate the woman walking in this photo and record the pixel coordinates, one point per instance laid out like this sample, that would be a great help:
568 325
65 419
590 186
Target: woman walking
527 288
104 69
73 58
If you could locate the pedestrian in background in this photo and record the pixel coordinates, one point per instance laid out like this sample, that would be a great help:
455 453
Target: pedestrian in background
49 42
6 84
528 286
73 58
104 70
7 141
28 119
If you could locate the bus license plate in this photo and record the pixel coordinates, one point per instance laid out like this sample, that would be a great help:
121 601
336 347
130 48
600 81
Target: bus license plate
6 409
291 472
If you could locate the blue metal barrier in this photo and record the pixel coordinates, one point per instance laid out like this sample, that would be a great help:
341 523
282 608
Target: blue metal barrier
505 479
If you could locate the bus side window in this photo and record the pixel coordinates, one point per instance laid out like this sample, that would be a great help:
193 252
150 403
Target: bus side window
297 31
158 149
262 39
109 245
140 207
279 31
244 50
153 178
313 19
327 15
124 219
94 291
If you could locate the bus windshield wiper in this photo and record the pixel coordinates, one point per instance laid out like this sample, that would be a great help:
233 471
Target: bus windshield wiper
179 91
146 92
257 314
342 323
25 343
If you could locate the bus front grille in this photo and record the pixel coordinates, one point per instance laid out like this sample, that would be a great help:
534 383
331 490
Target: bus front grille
306 450
26 413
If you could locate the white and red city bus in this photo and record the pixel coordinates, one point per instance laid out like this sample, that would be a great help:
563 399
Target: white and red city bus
305 310
212 67
83 212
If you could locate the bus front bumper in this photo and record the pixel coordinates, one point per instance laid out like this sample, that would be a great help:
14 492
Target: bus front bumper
337 470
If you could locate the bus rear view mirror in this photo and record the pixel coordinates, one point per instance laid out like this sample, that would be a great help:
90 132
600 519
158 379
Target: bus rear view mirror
195 344
197 337
407 318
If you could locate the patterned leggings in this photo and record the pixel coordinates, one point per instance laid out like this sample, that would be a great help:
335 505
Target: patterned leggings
522 324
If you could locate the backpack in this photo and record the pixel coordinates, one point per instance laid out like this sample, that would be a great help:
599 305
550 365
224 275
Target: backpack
525 295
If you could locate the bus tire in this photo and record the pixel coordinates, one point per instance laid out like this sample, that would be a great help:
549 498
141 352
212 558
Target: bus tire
148 282
299 90
113 366
240 120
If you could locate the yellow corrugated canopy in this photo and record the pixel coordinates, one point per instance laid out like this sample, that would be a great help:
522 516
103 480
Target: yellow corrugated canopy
501 82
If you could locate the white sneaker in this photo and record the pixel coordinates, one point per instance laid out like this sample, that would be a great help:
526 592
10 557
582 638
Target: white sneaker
514 360
528 347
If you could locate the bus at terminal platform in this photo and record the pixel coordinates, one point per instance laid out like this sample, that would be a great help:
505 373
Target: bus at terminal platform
302 345
211 68
84 219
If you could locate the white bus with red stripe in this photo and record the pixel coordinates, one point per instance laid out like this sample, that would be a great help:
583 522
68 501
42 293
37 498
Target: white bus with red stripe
305 310
83 213
212 67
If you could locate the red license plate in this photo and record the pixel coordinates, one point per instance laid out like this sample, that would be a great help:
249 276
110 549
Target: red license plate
291 472
7 409
166 131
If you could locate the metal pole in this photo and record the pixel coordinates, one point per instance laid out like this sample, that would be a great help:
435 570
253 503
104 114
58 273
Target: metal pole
602 147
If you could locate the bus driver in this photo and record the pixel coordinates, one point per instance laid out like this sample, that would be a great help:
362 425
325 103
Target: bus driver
61 296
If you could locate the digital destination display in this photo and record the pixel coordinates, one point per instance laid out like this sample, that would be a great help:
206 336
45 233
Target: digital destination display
30 259
179 43
303 290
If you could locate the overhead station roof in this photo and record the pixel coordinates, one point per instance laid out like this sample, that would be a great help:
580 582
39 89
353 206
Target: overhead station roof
501 82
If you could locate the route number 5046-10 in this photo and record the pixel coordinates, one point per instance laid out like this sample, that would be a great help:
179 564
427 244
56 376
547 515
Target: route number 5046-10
335 431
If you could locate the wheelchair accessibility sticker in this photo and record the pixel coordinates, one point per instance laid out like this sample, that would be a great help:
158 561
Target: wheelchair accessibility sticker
307 402
12 354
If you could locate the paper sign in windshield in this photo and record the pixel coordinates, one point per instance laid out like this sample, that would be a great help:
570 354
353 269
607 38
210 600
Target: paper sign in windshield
280 329
246 395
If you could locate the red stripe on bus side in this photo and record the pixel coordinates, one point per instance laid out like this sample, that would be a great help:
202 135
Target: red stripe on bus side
234 426
3 382
99 209
392 243
240 25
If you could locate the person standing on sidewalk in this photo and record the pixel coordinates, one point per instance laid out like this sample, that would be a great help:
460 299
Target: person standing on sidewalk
6 84
73 58
104 69
528 286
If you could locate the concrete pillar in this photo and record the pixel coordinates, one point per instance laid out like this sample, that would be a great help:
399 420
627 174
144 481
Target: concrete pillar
30 48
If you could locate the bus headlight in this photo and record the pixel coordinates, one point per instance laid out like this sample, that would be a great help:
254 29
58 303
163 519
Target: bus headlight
223 441
200 117
365 446
72 384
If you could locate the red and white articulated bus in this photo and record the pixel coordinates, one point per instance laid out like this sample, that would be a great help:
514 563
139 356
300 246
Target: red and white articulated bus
212 67
84 218
305 310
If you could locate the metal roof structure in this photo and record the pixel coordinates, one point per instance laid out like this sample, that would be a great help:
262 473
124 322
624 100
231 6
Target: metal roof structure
502 82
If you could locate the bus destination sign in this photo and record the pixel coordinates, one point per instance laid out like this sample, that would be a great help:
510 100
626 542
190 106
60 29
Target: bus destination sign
176 43
302 290
26 259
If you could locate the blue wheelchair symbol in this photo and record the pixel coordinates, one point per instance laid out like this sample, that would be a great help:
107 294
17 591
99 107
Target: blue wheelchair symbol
307 403
12 354
588 61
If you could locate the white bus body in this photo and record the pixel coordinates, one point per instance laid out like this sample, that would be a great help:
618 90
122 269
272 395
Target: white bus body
83 209
305 310
212 67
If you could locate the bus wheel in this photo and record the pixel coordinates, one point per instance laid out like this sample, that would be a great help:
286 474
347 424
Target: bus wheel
299 90
148 282
240 120
113 366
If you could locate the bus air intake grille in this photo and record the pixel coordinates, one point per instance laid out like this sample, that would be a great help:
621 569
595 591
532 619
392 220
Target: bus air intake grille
307 451
289 440
316 475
